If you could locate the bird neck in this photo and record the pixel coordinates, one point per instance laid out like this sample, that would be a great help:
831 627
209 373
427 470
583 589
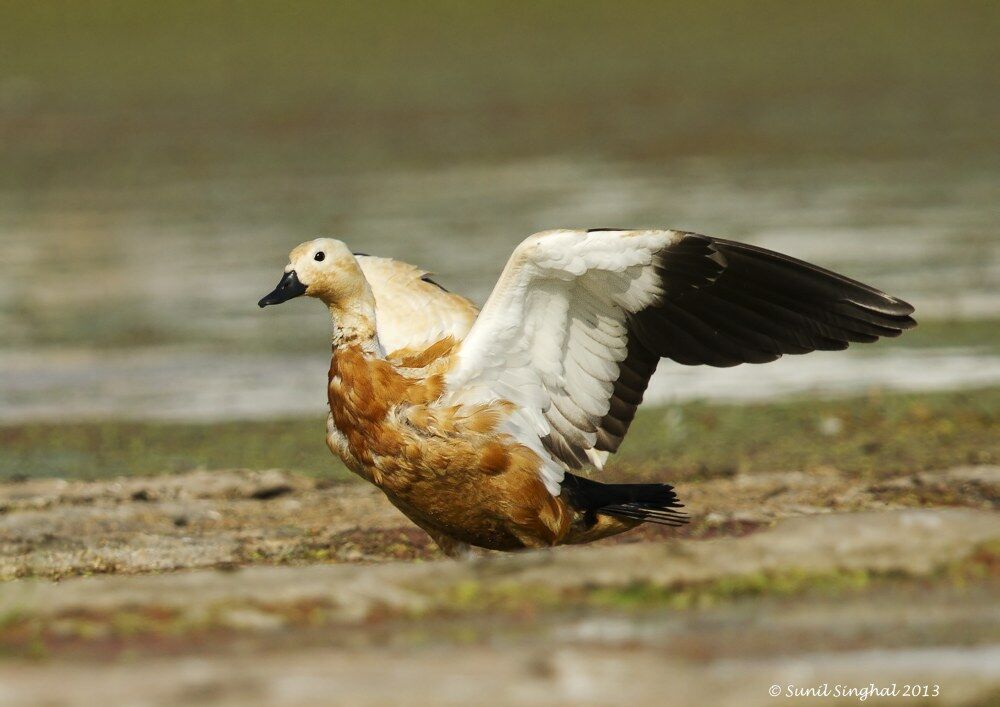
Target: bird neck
354 324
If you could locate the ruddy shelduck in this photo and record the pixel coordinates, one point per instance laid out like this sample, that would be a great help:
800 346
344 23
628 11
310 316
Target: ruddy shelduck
471 424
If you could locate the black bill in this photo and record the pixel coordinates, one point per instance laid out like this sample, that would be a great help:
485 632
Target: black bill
288 287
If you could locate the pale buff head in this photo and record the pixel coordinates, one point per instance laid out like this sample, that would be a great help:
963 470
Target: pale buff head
323 268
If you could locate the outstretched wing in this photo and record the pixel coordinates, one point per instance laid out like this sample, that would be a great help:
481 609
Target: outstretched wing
413 311
579 320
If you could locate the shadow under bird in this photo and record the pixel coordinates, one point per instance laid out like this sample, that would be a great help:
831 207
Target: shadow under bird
472 423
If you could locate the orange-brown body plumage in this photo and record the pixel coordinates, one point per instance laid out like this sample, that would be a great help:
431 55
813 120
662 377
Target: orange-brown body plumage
447 467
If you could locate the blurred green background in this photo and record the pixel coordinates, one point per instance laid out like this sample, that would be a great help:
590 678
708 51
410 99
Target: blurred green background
127 93
120 93
159 160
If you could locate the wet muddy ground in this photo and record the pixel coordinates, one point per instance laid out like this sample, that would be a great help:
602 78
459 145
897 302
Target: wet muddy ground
53 528
239 587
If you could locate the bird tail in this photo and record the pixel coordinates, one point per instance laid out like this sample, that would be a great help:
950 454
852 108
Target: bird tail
646 503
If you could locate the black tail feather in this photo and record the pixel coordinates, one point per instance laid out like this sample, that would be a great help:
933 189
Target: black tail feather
647 514
650 503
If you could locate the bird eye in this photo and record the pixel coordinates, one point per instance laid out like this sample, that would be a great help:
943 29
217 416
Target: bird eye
319 256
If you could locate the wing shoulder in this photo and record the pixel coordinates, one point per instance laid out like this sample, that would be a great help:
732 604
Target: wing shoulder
412 310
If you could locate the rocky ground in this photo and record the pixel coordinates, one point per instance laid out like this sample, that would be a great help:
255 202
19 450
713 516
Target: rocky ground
298 591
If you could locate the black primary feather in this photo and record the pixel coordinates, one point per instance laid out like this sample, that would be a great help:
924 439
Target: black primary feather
725 303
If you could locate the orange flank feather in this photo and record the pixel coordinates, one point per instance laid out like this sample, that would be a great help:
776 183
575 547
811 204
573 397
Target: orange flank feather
422 358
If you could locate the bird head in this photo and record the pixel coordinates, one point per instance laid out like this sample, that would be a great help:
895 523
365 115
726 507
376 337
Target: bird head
323 268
